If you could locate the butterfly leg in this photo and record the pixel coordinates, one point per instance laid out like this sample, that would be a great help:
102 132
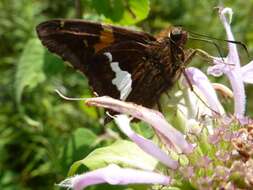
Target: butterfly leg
191 53
197 52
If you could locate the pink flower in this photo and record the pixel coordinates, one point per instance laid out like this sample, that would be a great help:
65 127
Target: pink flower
114 175
154 118
146 145
200 80
230 66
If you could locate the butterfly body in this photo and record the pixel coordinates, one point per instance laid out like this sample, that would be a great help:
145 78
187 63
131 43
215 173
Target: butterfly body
121 63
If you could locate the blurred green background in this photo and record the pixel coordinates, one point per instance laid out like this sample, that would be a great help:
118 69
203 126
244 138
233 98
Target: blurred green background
41 135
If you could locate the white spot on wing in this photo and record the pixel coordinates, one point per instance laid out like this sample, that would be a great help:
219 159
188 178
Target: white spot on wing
122 80
109 56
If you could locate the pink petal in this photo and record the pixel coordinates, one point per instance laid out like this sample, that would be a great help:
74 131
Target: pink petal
237 85
247 73
231 66
234 74
233 56
146 145
200 80
153 117
216 70
114 175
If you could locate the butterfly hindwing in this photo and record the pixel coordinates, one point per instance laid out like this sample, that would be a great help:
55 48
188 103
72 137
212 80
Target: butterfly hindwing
126 71
113 71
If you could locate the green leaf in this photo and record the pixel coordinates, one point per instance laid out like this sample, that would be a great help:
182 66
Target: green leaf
83 137
78 145
30 67
127 12
112 9
135 11
52 64
143 129
122 152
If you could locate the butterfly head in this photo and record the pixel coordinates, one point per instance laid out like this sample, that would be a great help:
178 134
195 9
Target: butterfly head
178 36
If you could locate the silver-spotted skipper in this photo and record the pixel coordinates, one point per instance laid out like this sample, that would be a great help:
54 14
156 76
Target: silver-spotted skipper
118 62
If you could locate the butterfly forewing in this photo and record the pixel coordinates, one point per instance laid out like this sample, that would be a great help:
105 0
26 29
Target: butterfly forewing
77 41
118 62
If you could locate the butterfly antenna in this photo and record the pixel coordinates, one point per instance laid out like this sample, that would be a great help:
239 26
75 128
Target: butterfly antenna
223 40
68 98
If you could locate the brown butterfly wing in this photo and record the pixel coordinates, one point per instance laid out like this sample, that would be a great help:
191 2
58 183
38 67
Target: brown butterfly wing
131 58
137 59
94 48
77 41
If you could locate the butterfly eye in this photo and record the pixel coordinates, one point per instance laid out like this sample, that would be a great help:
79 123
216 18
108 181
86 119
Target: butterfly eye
178 36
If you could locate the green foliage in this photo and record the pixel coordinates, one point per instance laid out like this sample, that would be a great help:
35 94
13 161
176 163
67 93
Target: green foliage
34 66
125 12
123 153
42 135
78 145
30 67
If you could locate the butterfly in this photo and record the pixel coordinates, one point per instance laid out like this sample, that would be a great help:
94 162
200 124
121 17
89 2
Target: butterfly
121 63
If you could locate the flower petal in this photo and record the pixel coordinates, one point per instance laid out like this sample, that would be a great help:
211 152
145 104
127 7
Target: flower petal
200 80
233 56
216 70
153 117
237 85
236 80
146 145
231 66
114 175
247 73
